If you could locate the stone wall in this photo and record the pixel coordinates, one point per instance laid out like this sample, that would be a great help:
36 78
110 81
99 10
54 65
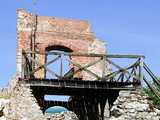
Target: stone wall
134 105
23 105
130 105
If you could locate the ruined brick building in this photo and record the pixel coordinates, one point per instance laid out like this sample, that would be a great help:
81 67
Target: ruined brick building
90 81
43 34
39 33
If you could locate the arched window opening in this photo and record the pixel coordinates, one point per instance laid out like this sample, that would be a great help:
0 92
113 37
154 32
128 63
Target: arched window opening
61 65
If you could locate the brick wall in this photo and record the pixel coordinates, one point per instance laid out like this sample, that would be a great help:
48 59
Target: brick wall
75 35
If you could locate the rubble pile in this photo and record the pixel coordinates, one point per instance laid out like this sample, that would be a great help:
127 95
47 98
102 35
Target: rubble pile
133 105
67 115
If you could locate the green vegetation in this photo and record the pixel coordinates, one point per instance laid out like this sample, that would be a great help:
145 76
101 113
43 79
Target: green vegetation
153 86
154 94
153 97
4 94
4 97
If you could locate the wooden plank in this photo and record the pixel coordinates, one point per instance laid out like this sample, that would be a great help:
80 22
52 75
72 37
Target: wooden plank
45 65
79 84
120 68
50 71
88 71
151 88
140 69
104 66
85 66
61 66
155 79
90 54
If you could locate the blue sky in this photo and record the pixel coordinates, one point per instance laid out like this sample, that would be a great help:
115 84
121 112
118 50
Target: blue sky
127 26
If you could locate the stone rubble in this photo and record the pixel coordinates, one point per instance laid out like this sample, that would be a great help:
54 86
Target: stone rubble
133 105
68 115
130 105
23 105
3 102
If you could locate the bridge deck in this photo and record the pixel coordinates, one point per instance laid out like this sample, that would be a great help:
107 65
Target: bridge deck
79 87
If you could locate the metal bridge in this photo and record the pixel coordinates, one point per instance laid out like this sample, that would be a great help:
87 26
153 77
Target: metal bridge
88 97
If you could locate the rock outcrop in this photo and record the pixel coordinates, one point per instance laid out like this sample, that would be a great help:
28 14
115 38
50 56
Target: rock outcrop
133 105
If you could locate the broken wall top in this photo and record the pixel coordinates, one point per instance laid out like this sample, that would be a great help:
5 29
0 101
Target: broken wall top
52 24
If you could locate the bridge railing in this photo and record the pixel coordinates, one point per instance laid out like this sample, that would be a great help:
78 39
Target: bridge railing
152 82
117 71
